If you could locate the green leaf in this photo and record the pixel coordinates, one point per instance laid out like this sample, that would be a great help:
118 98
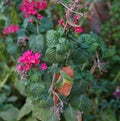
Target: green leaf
70 114
12 99
20 85
25 23
35 90
44 112
62 48
59 83
60 57
9 40
31 119
25 110
15 16
21 33
108 115
36 42
51 56
3 97
52 38
66 76
60 31
82 103
12 48
45 24
9 113
111 51
2 22
35 76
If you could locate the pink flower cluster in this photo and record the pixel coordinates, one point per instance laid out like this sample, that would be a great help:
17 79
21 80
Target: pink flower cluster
77 29
28 60
31 9
11 29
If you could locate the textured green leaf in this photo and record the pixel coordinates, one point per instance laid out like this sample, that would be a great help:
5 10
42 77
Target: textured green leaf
44 112
60 57
20 85
9 40
35 90
45 24
94 47
9 113
70 114
12 48
52 38
51 56
36 42
82 103
21 33
62 48
59 49
26 109
60 31
35 76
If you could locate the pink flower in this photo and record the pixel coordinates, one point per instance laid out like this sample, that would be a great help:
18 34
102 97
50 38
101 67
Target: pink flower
77 17
78 29
61 22
39 16
11 29
26 67
19 67
28 60
38 55
43 66
31 20
32 8
42 5
34 12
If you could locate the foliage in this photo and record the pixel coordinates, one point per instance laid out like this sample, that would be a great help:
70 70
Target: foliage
53 94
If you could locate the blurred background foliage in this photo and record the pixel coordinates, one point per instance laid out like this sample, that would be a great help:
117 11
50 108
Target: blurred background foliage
91 93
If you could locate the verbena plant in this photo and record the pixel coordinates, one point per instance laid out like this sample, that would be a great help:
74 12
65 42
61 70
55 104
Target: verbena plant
54 64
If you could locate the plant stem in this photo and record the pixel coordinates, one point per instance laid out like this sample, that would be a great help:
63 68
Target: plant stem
37 27
53 80
6 78
117 77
